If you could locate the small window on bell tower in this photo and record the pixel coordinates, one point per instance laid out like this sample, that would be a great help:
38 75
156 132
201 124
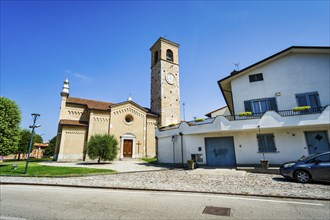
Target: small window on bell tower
156 57
169 55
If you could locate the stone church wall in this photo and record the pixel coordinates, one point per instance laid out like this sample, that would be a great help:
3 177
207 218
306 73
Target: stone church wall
119 126
72 142
151 140
74 112
99 122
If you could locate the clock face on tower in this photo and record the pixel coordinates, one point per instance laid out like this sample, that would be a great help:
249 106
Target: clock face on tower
170 78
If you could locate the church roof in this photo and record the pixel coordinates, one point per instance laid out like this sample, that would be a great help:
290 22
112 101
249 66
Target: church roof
99 105
91 104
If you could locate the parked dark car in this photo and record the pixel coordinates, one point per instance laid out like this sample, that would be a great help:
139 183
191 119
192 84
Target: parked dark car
314 167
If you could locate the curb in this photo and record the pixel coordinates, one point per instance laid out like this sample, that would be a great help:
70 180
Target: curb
165 190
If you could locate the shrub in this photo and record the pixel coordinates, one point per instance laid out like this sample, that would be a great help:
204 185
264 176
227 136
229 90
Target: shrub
102 147
171 125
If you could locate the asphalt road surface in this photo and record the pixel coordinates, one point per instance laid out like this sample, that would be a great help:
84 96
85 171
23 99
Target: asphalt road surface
43 202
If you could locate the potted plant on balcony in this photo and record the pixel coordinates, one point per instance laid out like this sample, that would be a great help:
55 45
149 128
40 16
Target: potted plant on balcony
301 109
241 114
191 164
199 119
264 163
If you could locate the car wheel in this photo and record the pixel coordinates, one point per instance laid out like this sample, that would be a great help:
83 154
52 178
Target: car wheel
302 176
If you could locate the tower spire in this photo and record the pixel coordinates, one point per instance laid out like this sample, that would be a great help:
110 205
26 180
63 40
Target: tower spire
65 88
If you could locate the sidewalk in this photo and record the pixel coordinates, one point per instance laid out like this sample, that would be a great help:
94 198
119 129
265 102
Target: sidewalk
144 176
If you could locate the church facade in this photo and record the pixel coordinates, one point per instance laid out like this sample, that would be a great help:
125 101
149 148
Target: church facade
132 125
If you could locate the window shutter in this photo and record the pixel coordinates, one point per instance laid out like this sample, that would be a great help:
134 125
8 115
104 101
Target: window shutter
314 100
247 106
272 104
301 100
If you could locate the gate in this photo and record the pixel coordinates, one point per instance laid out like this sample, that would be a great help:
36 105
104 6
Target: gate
220 152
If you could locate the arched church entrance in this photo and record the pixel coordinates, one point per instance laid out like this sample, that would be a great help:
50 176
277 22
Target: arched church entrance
127 146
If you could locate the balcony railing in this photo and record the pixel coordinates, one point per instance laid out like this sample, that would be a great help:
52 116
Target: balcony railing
283 113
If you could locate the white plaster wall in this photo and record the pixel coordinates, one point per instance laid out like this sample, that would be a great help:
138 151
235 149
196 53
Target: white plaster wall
191 144
222 111
290 143
289 75
165 150
289 146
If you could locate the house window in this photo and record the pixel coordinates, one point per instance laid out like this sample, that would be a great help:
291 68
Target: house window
258 106
266 143
256 77
308 99
169 55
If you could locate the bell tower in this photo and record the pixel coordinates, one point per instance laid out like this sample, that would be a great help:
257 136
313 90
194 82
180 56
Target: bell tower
165 88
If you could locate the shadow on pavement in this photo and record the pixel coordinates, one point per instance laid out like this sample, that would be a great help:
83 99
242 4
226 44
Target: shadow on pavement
282 179
93 163
160 165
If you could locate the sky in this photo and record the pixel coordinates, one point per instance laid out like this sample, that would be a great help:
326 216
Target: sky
102 47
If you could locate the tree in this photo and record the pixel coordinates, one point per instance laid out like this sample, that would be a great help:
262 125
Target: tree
25 136
102 147
10 119
50 150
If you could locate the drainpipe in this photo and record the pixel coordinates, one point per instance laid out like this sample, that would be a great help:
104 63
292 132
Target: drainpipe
181 135
156 147
173 137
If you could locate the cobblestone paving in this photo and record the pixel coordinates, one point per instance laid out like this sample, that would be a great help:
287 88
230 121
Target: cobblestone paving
194 180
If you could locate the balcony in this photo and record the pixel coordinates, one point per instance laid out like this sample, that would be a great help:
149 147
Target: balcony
283 113
318 117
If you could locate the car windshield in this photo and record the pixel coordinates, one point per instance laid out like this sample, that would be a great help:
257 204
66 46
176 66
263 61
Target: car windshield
304 158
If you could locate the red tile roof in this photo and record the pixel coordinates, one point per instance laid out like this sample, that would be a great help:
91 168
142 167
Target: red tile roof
91 104
40 144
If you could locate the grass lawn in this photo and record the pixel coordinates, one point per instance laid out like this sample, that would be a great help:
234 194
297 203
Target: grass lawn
34 169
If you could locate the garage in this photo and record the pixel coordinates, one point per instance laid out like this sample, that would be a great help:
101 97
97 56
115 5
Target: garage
220 152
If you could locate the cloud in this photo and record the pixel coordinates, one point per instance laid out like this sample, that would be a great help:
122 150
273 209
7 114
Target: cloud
82 77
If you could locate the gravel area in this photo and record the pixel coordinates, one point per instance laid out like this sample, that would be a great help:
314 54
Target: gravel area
200 180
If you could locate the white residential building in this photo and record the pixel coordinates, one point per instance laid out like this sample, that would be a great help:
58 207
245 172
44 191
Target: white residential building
264 121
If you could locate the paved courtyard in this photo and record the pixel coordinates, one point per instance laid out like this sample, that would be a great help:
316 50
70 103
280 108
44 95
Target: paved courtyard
140 175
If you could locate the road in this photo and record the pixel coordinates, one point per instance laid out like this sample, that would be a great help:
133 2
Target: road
45 202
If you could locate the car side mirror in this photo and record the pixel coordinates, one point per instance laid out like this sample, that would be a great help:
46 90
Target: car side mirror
317 161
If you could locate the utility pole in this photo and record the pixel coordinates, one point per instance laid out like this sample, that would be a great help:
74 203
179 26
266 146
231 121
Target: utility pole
35 116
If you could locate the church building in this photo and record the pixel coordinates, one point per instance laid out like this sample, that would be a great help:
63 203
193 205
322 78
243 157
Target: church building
133 125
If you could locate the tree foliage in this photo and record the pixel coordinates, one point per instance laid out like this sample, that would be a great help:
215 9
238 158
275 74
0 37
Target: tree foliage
10 119
25 136
50 150
102 147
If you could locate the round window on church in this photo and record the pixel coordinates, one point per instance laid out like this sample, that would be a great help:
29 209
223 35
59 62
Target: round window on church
129 119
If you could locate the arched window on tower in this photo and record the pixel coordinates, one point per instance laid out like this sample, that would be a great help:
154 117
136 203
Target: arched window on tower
169 55
156 57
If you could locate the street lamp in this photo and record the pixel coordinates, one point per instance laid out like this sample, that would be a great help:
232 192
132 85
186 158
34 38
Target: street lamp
35 116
